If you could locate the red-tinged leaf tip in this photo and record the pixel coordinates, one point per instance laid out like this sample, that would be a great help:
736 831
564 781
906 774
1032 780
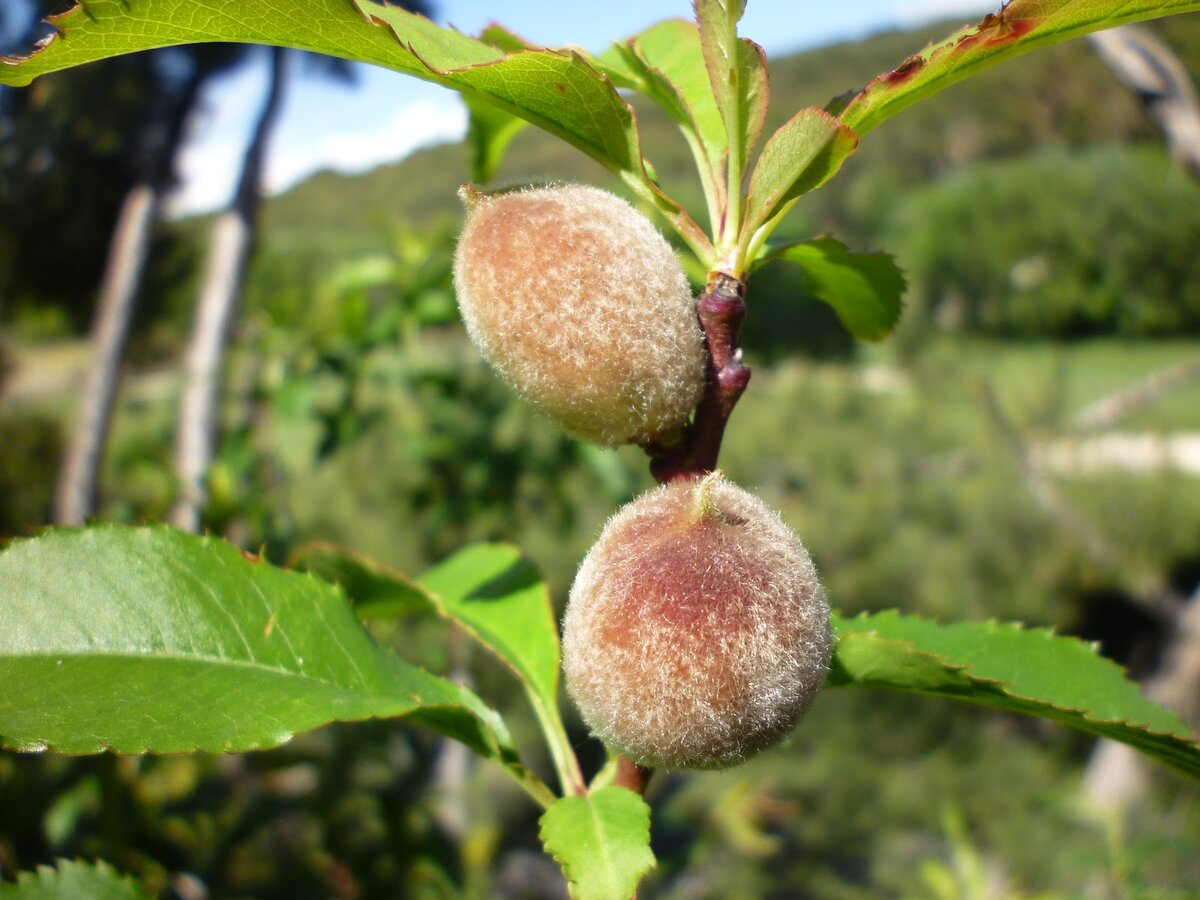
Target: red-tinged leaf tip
57 21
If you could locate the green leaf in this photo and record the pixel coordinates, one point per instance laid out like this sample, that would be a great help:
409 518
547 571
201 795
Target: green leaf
490 129
556 90
802 155
498 595
737 73
73 880
865 289
352 29
1030 671
670 66
602 842
495 594
492 590
152 640
495 35
1021 26
614 64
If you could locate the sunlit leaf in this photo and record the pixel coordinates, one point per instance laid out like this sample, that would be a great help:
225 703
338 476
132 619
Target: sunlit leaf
614 64
496 35
557 91
670 65
737 72
376 591
491 129
799 157
498 594
602 842
1030 671
493 592
490 589
71 879
864 289
153 640
1021 26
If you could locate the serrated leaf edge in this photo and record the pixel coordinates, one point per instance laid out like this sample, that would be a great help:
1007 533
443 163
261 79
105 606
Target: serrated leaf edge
1005 686
564 865
494 733
46 870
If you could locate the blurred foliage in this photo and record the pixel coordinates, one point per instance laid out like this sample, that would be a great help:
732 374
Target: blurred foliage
28 465
903 490
344 812
908 495
798 824
1056 245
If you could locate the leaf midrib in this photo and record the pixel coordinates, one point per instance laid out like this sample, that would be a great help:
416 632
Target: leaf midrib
202 659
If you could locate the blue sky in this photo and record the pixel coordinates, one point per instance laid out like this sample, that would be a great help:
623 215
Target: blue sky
387 115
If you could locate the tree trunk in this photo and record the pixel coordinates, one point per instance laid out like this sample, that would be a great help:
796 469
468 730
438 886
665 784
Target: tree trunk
75 498
1116 774
1151 70
76 492
233 239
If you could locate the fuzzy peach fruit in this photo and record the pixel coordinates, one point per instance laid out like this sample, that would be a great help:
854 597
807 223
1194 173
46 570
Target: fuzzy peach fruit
697 633
575 298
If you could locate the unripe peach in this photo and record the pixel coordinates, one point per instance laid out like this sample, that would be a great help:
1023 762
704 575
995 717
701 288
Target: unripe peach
584 308
696 633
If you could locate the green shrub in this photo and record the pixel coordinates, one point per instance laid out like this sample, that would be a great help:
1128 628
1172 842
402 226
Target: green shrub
1057 245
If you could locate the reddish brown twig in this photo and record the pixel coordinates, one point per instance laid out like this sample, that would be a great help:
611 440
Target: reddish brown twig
721 309
631 775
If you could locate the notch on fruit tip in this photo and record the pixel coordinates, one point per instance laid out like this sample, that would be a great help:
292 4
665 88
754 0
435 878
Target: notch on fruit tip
704 506
470 196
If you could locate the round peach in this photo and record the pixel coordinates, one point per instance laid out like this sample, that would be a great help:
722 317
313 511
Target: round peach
696 633
575 298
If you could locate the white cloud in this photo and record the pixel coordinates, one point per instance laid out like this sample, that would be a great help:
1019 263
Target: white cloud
410 128
211 157
210 166
207 171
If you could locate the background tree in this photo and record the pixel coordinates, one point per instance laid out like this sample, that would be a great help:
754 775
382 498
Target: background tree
70 151
1148 67
173 83
231 246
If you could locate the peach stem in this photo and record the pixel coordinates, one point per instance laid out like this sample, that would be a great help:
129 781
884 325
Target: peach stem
720 309
631 775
